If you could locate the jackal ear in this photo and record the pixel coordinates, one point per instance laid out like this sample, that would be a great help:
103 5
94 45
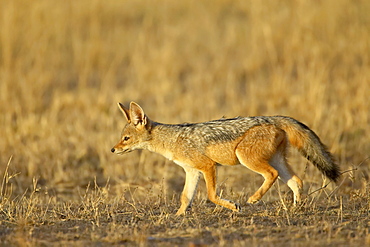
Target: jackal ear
125 111
137 114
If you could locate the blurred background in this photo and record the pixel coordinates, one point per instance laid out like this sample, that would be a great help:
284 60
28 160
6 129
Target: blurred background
65 64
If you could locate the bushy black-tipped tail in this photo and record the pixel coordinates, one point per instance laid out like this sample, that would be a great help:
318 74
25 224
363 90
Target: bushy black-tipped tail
310 146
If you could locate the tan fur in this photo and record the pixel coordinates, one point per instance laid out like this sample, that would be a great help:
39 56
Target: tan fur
258 143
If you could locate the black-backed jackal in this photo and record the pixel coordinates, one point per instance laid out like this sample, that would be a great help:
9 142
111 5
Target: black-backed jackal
259 143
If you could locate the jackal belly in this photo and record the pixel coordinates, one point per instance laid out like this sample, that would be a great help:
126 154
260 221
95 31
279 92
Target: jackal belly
223 153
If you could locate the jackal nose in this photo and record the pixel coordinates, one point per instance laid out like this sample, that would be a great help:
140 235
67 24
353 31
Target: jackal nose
112 150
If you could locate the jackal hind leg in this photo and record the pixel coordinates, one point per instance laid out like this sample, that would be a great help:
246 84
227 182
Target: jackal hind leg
269 174
191 184
255 151
286 174
210 177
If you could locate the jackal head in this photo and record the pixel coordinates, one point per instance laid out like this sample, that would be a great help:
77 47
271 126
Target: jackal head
136 133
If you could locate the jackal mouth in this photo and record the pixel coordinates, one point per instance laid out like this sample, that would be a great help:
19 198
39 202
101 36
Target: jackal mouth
124 151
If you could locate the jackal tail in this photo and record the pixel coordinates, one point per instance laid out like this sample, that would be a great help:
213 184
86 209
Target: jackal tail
310 146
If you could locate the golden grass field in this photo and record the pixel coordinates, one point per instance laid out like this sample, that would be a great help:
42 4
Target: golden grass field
65 64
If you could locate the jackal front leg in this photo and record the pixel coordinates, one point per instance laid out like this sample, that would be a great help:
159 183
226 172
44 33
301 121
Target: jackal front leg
191 184
210 178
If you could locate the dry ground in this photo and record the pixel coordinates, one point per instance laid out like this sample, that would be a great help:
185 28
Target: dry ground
65 64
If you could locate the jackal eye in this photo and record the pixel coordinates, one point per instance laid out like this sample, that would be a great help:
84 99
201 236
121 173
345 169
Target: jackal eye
126 138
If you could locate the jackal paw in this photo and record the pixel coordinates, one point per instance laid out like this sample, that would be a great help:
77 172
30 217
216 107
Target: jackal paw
182 211
253 200
298 203
238 208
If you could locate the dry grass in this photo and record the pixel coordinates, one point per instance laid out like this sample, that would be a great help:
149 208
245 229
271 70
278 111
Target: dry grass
64 65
